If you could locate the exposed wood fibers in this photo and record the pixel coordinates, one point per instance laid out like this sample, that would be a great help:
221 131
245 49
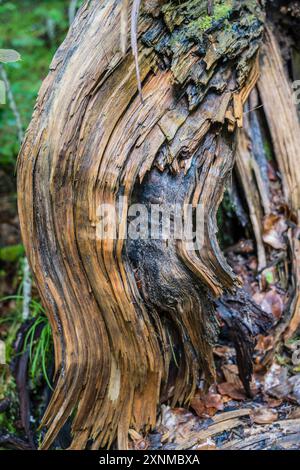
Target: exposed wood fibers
92 140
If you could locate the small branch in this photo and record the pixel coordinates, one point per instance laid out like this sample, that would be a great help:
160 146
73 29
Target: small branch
134 46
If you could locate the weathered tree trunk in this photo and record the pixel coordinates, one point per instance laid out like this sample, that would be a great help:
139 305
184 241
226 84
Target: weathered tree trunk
133 320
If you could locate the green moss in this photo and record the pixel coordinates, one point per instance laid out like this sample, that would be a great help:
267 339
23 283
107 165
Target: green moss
221 11
203 23
195 12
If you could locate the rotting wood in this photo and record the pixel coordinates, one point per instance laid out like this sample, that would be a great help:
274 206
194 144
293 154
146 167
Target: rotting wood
280 434
119 311
221 422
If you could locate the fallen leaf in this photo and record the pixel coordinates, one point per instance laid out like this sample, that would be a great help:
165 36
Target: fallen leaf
213 400
274 227
295 383
276 382
208 444
273 402
263 416
232 390
294 413
231 374
198 406
264 343
271 302
206 405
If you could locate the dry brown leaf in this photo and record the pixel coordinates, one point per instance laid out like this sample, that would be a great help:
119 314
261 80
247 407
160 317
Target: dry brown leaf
276 382
264 343
294 413
231 374
207 405
224 351
271 302
232 390
198 406
213 401
274 227
263 416
274 402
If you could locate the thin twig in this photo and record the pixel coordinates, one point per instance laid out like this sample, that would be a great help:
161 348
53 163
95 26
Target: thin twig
253 109
134 46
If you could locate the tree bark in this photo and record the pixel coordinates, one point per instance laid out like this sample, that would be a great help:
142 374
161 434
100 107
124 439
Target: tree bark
133 320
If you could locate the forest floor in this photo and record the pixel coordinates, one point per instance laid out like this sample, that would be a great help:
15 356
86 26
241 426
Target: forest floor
224 417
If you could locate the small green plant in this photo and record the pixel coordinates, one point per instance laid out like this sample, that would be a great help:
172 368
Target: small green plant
40 348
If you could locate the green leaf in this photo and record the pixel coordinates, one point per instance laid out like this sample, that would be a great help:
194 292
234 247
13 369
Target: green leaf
269 277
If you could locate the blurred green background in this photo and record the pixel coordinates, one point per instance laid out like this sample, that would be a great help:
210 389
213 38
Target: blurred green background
35 29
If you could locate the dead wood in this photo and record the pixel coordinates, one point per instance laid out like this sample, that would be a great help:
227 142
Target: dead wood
132 320
282 435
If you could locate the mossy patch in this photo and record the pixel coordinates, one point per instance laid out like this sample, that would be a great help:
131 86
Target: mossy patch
205 22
